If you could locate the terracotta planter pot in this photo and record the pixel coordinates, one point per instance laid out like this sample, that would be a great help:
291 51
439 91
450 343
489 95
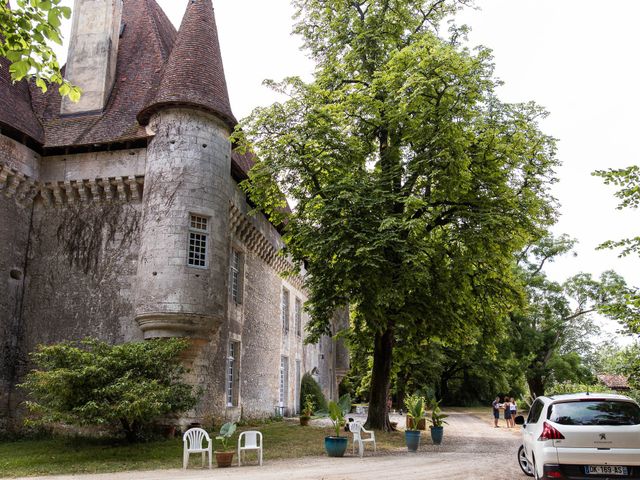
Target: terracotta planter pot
224 459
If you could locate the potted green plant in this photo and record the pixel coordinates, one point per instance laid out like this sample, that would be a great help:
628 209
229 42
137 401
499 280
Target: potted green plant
417 413
307 410
336 445
224 457
437 423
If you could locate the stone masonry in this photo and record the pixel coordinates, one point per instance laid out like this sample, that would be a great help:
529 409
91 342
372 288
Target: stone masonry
121 218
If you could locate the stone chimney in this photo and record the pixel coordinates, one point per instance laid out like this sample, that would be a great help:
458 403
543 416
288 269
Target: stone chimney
93 52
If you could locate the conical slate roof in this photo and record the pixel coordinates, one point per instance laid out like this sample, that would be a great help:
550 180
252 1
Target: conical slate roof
194 75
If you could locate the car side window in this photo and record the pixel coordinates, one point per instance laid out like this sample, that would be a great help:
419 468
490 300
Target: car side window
536 410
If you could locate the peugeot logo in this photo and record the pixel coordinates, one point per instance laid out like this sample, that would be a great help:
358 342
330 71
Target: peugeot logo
603 436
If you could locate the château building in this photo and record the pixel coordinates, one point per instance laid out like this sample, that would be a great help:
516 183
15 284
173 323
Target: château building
121 217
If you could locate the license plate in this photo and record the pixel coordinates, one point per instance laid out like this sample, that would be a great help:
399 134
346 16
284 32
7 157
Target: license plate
606 470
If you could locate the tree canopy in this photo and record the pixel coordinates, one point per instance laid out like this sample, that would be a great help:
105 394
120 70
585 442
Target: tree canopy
414 184
26 34
628 182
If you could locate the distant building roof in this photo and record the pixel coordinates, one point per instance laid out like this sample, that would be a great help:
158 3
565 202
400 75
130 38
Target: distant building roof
614 382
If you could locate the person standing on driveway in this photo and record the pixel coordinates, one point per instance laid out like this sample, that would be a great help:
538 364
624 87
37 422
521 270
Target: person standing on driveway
507 412
496 411
514 411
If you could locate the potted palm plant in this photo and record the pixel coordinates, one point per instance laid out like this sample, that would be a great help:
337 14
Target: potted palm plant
437 423
415 411
307 410
336 445
224 457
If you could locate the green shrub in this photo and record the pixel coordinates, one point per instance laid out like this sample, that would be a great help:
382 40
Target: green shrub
310 387
568 387
124 386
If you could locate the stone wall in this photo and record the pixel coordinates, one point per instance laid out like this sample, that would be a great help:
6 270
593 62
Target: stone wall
82 274
18 164
14 233
71 264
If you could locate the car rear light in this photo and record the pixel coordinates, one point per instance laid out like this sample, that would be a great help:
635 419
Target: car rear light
552 471
550 433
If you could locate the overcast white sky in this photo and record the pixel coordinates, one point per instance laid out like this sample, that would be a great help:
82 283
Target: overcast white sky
577 58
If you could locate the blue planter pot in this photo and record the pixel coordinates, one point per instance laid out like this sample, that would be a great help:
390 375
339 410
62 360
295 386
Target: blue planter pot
335 446
436 435
412 437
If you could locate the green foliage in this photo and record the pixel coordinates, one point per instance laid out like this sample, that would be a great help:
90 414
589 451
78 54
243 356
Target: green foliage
627 180
415 409
94 383
414 185
310 388
437 417
569 387
338 410
552 330
309 405
226 432
26 33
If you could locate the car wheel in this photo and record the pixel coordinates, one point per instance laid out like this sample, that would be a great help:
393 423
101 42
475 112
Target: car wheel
525 465
535 469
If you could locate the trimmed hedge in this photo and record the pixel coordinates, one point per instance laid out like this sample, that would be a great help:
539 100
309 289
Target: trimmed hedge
310 387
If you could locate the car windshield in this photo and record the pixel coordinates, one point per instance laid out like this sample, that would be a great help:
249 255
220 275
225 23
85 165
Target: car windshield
595 412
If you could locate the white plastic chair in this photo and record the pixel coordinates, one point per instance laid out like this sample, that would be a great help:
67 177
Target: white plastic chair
357 429
192 440
252 441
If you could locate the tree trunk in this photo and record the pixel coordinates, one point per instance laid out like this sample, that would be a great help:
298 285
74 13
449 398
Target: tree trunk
401 390
378 417
536 386
131 430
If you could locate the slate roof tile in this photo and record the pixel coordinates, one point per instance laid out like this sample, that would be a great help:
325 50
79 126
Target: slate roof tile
194 75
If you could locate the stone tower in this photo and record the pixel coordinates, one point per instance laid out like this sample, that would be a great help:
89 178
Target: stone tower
181 287
93 53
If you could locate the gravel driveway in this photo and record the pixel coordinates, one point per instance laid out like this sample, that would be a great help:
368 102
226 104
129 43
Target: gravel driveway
472 449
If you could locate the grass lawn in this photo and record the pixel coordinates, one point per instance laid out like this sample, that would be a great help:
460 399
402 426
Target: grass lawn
286 439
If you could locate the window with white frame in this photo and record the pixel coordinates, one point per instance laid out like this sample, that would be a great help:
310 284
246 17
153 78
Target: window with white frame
298 316
284 305
236 276
232 374
198 238
284 380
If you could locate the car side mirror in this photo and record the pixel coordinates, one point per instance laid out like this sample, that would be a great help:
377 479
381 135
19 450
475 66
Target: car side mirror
519 420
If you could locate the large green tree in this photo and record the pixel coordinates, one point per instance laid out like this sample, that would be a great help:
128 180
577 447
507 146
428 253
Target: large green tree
553 332
413 184
26 34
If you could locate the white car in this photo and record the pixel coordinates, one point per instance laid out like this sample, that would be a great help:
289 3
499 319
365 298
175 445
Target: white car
581 436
